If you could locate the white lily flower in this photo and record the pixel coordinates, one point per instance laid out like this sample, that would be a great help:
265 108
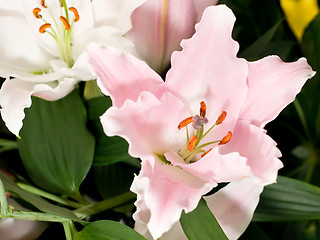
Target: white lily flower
42 45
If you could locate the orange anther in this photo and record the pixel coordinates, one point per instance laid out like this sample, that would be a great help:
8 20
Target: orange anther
205 153
65 23
226 139
36 12
42 4
203 109
8 194
185 122
192 143
76 14
221 118
43 28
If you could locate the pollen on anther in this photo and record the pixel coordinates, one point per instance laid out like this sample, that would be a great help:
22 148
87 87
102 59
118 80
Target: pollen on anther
185 122
226 139
203 109
205 153
65 23
43 28
76 14
42 4
192 143
36 12
221 118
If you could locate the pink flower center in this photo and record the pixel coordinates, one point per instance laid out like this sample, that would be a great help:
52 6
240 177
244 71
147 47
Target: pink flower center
192 148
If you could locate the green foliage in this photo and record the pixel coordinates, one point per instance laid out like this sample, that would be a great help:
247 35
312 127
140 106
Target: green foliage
107 230
55 146
200 224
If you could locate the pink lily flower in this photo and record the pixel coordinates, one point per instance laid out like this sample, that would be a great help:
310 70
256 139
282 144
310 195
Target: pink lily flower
158 26
204 125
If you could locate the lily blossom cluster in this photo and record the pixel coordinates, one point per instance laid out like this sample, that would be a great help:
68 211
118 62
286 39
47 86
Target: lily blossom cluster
203 126
44 57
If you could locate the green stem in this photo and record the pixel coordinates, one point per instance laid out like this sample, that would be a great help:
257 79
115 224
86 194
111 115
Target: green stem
3 200
302 118
78 197
35 216
67 230
8 143
50 196
98 207
91 90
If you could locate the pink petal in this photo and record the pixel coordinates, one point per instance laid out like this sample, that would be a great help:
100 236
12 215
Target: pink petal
208 70
149 125
273 84
168 23
254 144
165 192
233 206
214 167
120 75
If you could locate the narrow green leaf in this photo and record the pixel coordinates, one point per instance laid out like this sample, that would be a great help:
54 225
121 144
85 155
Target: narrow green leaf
56 148
200 224
107 230
258 48
288 200
108 150
35 200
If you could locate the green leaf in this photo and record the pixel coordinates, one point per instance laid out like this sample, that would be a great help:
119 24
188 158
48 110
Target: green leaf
108 150
113 180
288 200
107 230
35 200
200 224
56 148
258 48
254 232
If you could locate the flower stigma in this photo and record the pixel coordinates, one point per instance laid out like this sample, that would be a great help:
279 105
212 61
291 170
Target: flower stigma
192 149
59 30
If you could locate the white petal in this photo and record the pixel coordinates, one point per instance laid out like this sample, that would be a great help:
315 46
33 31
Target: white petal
15 96
19 49
106 36
115 13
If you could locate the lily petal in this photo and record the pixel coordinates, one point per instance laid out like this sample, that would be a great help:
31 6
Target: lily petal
233 205
164 197
158 37
20 53
120 75
208 62
15 96
214 167
258 148
273 84
158 124
115 13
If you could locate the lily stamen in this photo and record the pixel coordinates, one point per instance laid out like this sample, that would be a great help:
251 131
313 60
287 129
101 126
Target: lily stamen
192 149
42 4
43 28
226 139
65 23
192 143
36 13
76 14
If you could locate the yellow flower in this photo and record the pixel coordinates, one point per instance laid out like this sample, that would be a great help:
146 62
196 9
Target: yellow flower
299 13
